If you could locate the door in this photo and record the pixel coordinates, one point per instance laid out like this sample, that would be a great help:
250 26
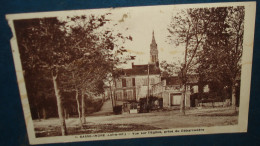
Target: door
175 98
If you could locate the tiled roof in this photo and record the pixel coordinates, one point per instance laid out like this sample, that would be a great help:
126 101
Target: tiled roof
172 80
142 70
192 79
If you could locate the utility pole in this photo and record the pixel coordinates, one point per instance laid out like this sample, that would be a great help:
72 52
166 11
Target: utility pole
148 92
184 81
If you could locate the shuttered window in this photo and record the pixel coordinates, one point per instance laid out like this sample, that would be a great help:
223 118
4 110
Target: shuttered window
129 82
133 81
134 94
124 82
129 94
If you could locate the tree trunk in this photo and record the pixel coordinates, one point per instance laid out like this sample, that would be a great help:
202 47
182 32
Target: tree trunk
111 96
59 105
233 96
83 107
65 113
44 114
78 105
114 93
38 114
182 106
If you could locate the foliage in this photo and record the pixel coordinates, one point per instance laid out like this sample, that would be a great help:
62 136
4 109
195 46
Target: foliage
212 38
63 55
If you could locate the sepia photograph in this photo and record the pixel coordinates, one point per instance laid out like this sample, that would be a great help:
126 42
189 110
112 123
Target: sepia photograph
134 72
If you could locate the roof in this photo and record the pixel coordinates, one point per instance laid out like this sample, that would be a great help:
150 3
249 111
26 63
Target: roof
175 80
172 80
142 70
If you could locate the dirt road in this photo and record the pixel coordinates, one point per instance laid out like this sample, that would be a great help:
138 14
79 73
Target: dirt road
105 110
149 121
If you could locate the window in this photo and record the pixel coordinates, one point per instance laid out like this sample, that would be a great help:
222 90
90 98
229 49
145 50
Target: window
119 95
129 82
129 94
119 83
124 82
133 81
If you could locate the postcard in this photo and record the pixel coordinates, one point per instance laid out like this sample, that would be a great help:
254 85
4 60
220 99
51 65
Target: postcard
134 72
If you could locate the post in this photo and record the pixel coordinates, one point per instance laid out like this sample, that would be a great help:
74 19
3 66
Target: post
148 92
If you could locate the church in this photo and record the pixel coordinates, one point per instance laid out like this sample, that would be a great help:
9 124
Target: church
144 80
137 82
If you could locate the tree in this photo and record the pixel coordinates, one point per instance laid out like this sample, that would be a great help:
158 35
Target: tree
187 28
210 58
169 69
94 46
90 49
212 38
73 53
220 58
42 46
114 74
236 22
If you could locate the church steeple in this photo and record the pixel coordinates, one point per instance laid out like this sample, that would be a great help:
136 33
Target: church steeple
154 51
153 39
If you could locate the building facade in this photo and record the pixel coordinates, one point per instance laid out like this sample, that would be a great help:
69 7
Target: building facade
170 90
141 81
136 83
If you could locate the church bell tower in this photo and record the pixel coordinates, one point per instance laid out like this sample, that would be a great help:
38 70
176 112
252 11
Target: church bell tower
154 52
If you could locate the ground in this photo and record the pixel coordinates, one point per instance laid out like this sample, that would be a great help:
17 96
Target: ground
104 121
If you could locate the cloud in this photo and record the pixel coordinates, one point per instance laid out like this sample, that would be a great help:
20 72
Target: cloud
135 52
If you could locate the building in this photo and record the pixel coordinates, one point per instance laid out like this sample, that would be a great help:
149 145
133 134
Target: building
141 81
154 52
170 90
135 82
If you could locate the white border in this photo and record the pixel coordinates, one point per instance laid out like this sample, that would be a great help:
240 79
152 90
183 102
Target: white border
250 11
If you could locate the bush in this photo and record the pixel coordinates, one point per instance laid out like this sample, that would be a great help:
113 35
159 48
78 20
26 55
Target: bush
117 109
154 103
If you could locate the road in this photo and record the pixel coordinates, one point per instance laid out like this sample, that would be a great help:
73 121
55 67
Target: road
161 119
105 110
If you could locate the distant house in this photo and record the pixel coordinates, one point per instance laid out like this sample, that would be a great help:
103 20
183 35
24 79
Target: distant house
134 84
170 90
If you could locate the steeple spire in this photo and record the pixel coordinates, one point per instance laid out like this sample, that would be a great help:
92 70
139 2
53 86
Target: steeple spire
153 39
153 51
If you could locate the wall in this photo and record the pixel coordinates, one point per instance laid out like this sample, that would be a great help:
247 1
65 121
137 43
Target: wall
142 80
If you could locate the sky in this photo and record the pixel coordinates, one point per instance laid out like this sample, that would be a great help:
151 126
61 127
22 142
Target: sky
140 22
